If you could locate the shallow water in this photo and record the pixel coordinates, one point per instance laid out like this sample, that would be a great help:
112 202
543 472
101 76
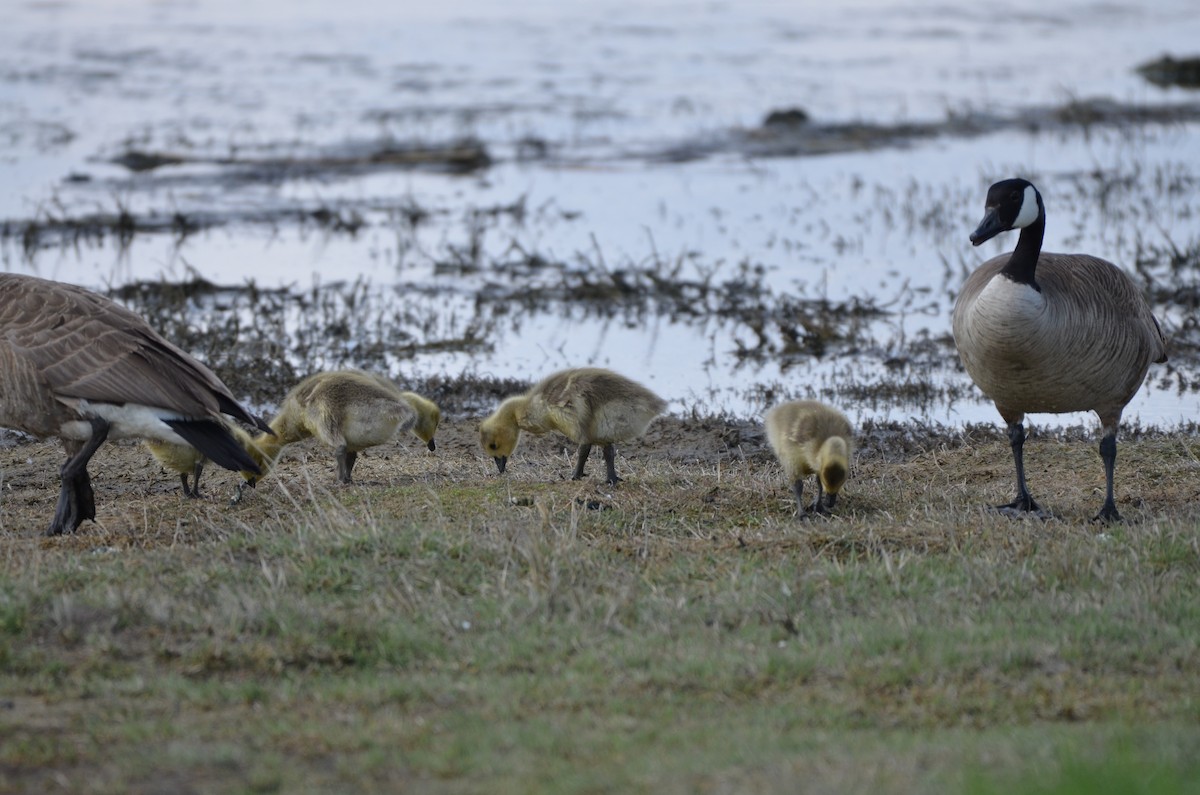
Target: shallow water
622 137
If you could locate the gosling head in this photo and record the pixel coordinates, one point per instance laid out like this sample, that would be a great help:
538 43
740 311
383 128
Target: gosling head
834 458
1010 204
429 416
428 419
264 449
498 440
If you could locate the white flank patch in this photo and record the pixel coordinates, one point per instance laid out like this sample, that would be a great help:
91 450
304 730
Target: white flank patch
131 420
1029 209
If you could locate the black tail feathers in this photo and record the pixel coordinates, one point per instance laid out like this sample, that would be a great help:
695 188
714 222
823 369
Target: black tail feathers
235 409
216 442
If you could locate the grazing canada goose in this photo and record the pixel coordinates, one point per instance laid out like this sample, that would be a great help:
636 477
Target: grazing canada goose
78 366
588 405
808 438
1040 332
348 410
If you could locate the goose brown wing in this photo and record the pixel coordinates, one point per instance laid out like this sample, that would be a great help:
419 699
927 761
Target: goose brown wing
88 347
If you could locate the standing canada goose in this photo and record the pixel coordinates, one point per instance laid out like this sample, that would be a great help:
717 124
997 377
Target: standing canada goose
348 410
1041 332
808 438
588 405
78 366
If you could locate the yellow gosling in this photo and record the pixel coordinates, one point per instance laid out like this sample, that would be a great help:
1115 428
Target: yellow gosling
809 437
588 405
187 460
347 410
182 459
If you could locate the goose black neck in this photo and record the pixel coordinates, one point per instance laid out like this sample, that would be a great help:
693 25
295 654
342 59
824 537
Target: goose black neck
1022 265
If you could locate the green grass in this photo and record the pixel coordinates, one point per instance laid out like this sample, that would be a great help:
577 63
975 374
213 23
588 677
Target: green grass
443 632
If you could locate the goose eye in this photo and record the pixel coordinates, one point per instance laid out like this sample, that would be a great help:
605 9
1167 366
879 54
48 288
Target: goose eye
492 445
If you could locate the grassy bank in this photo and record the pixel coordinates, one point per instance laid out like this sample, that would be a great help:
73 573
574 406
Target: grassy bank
439 628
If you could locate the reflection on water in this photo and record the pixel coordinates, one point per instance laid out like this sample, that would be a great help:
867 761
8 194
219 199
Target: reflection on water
618 209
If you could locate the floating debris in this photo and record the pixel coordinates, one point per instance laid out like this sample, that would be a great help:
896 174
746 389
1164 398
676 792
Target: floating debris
789 117
1169 71
458 157
790 133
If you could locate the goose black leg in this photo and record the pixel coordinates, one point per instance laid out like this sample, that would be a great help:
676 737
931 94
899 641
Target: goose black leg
76 500
1024 503
1108 452
610 464
798 490
584 451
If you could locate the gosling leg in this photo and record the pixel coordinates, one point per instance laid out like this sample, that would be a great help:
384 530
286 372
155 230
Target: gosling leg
818 505
584 451
194 490
345 462
196 478
610 463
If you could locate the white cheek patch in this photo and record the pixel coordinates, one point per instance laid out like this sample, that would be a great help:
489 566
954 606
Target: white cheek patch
1029 209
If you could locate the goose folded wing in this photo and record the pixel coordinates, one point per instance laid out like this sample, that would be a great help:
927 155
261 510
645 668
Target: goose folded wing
113 357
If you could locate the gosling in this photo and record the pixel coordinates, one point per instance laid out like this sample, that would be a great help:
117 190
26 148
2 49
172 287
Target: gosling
588 405
349 411
182 459
185 460
808 438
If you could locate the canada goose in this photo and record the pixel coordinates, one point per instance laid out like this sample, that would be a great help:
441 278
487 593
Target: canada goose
78 366
811 438
588 405
348 410
1040 332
